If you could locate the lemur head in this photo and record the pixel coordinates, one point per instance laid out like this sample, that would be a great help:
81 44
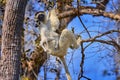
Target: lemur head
40 17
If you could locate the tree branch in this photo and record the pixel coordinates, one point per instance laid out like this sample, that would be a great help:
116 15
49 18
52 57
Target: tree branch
89 10
94 39
81 20
105 33
82 64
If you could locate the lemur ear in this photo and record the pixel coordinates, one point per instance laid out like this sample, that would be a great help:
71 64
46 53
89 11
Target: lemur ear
39 12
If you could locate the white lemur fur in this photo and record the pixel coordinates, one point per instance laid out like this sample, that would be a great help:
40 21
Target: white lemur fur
54 21
66 40
45 31
54 24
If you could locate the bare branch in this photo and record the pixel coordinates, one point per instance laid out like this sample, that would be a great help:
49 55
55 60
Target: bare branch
102 5
89 10
84 26
82 64
94 39
81 19
105 33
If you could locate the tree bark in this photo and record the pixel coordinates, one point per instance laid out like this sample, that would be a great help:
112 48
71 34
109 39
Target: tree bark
11 39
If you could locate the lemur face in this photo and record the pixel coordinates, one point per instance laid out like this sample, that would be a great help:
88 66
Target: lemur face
40 17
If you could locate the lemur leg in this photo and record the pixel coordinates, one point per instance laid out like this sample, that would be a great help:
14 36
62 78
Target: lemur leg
55 36
42 44
66 68
57 44
67 37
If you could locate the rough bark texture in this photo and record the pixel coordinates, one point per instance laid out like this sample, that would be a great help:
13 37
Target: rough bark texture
11 39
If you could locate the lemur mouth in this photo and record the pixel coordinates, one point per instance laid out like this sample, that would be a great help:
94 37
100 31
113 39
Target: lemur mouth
37 23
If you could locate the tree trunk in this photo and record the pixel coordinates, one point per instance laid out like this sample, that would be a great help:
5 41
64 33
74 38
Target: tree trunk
11 39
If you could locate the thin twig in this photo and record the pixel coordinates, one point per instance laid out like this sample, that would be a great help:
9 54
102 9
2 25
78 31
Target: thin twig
100 35
33 70
88 45
71 59
81 19
114 6
105 33
94 39
84 26
82 64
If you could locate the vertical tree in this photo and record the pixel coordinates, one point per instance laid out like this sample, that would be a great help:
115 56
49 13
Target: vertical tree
11 39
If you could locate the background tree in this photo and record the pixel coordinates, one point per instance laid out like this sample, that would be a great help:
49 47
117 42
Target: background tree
11 39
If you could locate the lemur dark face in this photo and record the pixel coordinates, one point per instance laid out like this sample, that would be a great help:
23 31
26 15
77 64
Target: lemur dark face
40 17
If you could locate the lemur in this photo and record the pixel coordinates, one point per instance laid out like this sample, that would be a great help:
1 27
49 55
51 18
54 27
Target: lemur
48 35
45 31
67 40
